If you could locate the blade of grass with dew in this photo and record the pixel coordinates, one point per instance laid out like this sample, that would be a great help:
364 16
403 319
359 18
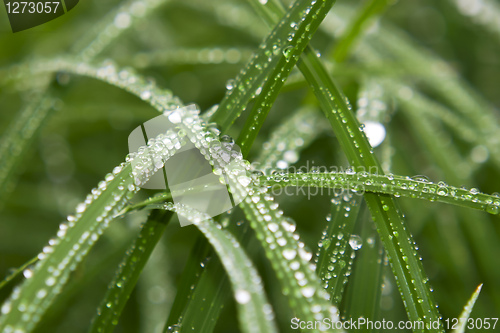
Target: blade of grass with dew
404 259
480 231
403 256
276 234
336 249
29 120
363 295
284 144
464 316
25 306
75 287
276 55
419 187
17 272
29 302
255 313
304 21
129 271
190 56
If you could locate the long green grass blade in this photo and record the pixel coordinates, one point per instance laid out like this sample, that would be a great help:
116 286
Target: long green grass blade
338 245
255 314
297 27
129 271
61 256
404 259
369 10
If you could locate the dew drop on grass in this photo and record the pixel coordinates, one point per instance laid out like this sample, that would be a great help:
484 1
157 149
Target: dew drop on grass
375 132
355 242
307 291
242 296
493 208
289 254
287 52
230 84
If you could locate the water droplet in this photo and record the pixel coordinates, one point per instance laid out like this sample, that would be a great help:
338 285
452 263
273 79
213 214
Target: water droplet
230 84
242 296
287 52
355 242
375 132
307 291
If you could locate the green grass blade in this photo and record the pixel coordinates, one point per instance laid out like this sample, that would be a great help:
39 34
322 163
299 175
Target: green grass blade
191 276
29 302
275 54
18 137
338 245
419 187
362 299
286 253
128 273
255 314
17 272
404 259
285 144
298 27
26 305
464 316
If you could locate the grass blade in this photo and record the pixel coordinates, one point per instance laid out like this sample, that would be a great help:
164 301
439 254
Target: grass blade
276 54
370 9
255 313
30 301
464 316
419 187
298 27
128 273
337 245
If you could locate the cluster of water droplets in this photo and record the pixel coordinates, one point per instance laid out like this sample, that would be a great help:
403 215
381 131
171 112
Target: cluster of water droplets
413 187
